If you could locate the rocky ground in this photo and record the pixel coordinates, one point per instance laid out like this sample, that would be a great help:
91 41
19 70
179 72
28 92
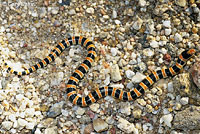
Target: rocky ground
132 38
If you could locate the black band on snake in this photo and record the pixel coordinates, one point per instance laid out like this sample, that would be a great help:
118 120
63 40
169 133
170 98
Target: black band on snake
103 91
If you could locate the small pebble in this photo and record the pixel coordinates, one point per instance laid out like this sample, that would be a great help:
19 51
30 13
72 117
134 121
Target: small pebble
90 10
138 24
80 111
154 44
22 122
52 130
110 120
113 51
94 107
117 22
167 119
129 74
137 113
125 108
142 102
178 38
194 37
167 23
55 109
138 77
181 3
178 106
7 125
148 52
55 10
184 100
72 12
126 126
88 129
142 3
115 73
168 32
100 125
170 87
114 14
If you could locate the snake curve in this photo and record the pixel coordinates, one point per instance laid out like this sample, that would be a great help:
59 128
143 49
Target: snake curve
79 73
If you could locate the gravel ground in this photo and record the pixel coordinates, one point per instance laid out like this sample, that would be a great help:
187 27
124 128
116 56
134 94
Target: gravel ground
132 38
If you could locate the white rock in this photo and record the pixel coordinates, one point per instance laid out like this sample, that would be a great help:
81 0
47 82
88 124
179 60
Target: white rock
133 55
30 125
107 80
167 119
38 113
142 102
125 108
138 77
194 37
90 10
60 75
94 107
72 12
110 120
12 117
170 87
129 74
142 3
167 23
137 113
129 46
113 51
2 29
147 126
64 112
22 122
154 44
178 38
115 73
29 112
160 60
148 52
121 86
106 17
19 97
80 111
137 24
8 35
184 100
117 22
55 10
13 131
7 125
37 131
34 14
52 130
71 52
114 14
181 3
126 126
42 12
168 31
178 106
100 125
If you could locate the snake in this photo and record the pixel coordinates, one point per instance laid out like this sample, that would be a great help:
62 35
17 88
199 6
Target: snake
101 92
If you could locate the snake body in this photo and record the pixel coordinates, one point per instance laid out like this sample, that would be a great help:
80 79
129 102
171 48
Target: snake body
103 91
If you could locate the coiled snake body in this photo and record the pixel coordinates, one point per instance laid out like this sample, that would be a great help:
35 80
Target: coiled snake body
103 91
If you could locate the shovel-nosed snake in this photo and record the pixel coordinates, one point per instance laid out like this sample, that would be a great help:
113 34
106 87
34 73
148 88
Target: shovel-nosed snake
103 91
